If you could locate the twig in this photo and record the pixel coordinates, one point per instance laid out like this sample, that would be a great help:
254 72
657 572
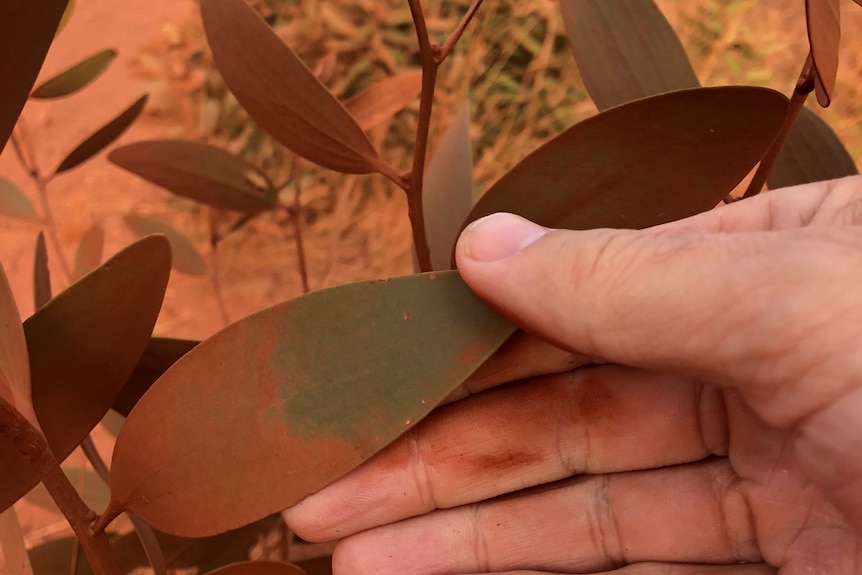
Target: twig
34 448
804 86
453 38
145 533
296 216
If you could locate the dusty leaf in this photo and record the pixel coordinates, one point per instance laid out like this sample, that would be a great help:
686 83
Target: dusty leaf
328 379
14 363
259 568
86 482
186 257
103 137
625 50
41 274
380 101
26 31
824 35
13 202
75 78
281 94
160 354
83 346
812 153
448 189
197 171
15 558
88 256
644 163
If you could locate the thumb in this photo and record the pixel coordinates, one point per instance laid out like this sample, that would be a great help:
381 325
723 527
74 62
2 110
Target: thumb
763 308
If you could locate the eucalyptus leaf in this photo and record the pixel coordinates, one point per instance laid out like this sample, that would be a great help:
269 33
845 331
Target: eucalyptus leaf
186 257
75 78
13 202
88 256
41 274
824 36
380 101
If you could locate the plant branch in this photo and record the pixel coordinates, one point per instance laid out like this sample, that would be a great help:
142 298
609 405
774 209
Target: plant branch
145 533
34 448
296 217
804 87
428 55
453 38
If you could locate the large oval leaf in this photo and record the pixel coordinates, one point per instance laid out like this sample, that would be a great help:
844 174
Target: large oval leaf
186 257
625 50
13 202
380 101
26 31
83 346
14 364
103 137
259 568
284 402
644 163
77 77
281 94
447 195
824 35
812 153
197 171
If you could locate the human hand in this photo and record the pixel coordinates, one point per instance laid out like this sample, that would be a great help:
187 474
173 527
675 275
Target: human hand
733 435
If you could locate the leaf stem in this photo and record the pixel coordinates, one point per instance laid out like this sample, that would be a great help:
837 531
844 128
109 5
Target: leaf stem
34 448
453 38
804 86
145 533
296 217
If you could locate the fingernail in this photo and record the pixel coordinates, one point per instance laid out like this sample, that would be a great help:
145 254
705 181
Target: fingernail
499 236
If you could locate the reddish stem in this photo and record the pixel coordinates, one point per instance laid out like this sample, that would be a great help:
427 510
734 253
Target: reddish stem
453 38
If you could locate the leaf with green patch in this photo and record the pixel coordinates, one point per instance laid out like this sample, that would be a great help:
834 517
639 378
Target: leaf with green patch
197 171
14 363
75 78
83 347
187 259
380 101
644 163
625 50
812 153
103 137
26 31
41 274
88 256
86 482
448 191
259 568
281 94
824 36
160 354
294 397
13 202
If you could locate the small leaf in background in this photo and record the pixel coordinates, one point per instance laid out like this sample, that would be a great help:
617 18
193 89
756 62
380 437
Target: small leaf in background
824 35
326 66
67 14
812 153
76 77
259 568
103 137
448 191
26 31
113 422
90 250
381 101
14 362
15 558
83 347
644 163
196 171
41 274
186 257
625 50
86 482
281 94
13 202
294 397
160 354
